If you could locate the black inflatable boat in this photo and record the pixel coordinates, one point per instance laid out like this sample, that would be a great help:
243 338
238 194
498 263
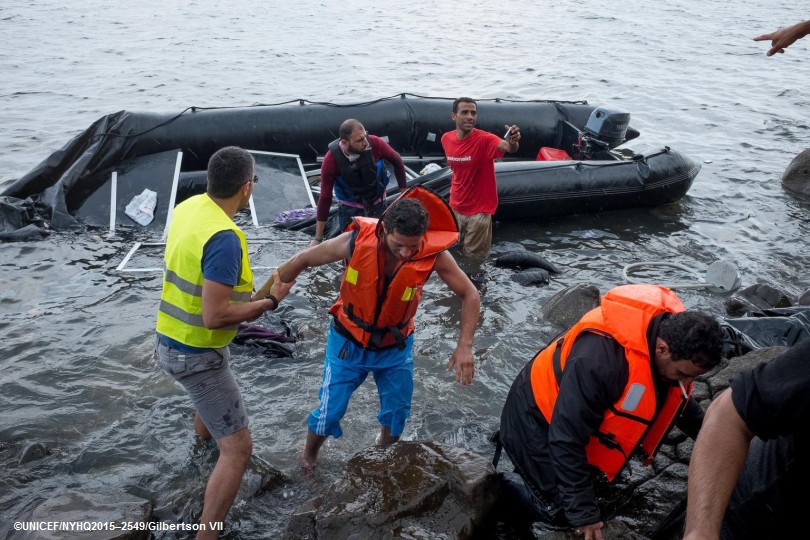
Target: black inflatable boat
63 191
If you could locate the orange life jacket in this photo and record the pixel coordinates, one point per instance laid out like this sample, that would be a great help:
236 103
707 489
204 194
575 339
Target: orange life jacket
624 314
376 314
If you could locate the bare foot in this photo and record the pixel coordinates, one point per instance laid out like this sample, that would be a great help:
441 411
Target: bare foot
307 465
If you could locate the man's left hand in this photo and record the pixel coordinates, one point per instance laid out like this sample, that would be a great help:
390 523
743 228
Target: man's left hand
462 359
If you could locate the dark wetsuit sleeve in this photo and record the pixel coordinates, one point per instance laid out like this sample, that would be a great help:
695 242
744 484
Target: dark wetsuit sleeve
772 398
383 150
329 170
594 378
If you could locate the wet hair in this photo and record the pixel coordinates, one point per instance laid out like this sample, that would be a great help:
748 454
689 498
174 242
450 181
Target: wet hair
347 128
228 170
694 336
463 100
407 217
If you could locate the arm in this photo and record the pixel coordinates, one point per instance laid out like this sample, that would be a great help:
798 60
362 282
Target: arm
329 171
594 377
512 144
221 267
715 465
462 358
385 152
330 251
785 37
219 312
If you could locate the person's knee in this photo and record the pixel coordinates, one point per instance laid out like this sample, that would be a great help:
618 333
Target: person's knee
237 446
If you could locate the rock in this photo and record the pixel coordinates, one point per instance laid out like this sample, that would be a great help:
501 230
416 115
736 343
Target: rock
411 489
804 299
567 306
92 507
33 452
721 380
756 298
261 476
796 178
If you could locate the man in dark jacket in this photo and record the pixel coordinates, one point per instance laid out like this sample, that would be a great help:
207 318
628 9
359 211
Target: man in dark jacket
615 382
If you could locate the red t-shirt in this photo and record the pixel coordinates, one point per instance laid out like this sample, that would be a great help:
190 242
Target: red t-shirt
473 188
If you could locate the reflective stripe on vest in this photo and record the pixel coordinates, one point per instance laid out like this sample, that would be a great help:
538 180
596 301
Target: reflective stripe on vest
625 314
194 222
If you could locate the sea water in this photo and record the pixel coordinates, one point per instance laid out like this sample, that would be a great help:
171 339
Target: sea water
78 373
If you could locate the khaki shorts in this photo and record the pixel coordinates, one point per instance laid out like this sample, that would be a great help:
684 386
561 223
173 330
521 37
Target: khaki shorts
209 382
476 234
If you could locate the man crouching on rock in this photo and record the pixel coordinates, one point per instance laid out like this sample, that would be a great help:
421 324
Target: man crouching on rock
388 262
615 382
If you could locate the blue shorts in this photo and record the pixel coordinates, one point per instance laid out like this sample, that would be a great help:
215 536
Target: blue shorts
209 382
345 368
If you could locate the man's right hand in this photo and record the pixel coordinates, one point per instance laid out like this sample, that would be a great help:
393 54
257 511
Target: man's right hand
280 288
592 531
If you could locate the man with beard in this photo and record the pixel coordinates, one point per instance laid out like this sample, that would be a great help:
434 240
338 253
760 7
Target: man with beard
354 167
614 383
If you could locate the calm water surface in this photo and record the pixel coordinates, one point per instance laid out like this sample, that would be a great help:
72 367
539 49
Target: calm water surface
77 369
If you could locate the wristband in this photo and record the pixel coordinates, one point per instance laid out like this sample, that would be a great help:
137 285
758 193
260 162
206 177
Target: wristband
318 238
275 301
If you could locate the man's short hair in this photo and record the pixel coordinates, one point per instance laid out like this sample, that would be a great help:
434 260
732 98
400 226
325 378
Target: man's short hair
347 128
694 336
407 217
228 170
463 100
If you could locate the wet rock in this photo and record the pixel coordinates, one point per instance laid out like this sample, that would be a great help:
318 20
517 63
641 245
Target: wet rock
33 452
721 379
796 178
567 306
92 507
804 299
262 476
756 298
412 489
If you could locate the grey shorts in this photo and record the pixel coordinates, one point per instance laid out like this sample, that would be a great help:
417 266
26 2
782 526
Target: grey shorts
209 382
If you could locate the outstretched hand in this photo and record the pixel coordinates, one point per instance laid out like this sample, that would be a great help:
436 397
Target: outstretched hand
784 37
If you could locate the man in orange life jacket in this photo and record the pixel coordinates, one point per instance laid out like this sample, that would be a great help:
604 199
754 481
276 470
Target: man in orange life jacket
615 382
388 262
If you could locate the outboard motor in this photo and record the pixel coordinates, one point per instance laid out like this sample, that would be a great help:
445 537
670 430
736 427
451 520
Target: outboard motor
606 129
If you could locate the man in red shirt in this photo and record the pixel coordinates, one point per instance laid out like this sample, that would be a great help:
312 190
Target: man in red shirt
473 194
354 168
